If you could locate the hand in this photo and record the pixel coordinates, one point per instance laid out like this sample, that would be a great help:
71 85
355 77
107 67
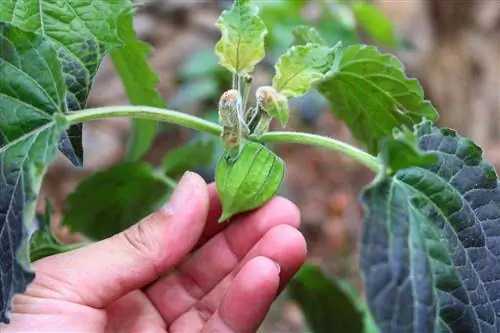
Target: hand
178 270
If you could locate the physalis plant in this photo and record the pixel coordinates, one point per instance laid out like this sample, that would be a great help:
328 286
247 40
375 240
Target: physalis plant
249 174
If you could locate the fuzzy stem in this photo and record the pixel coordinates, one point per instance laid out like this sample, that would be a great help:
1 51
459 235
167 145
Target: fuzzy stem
368 160
145 112
196 123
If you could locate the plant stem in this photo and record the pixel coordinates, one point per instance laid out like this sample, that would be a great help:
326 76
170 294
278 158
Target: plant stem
145 112
368 160
196 123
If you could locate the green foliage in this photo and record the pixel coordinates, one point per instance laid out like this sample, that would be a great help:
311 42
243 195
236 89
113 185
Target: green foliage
250 181
31 104
371 93
43 242
327 304
429 256
241 45
375 24
112 200
280 17
301 66
429 247
140 82
401 152
188 157
82 32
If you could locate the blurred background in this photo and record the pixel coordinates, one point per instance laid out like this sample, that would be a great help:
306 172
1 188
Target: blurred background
451 47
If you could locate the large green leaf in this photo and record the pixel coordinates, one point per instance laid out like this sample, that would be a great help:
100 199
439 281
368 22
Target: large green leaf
139 80
83 32
430 251
110 201
31 101
370 92
241 45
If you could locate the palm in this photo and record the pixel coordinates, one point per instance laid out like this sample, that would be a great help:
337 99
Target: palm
225 285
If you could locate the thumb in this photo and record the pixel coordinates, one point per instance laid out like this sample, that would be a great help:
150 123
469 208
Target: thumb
100 273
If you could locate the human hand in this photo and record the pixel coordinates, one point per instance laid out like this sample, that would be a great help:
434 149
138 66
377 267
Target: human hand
177 270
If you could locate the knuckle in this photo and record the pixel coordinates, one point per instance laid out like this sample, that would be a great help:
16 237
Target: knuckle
141 239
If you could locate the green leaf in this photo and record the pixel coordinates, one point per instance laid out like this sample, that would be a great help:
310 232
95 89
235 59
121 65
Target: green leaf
112 200
430 254
188 157
370 92
250 181
241 45
328 307
43 242
375 23
301 66
83 32
140 81
304 34
31 100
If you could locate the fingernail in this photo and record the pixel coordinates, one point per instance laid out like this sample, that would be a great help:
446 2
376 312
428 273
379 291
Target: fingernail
278 267
182 194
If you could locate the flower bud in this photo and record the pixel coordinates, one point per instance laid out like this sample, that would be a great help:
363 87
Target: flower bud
273 103
234 129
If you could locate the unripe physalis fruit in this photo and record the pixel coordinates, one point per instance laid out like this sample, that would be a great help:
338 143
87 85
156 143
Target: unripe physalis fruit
250 181
273 103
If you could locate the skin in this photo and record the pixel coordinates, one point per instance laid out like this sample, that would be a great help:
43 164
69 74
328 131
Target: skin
177 270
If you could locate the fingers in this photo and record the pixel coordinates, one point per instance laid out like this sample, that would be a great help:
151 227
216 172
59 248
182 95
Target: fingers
282 244
205 268
248 299
102 272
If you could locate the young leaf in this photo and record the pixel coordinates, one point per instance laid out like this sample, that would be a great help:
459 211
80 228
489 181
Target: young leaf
241 45
430 255
188 157
140 81
301 66
326 305
370 92
31 100
249 182
83 32
375 23
112 200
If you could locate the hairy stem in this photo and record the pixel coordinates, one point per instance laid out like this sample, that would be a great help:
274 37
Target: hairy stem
368 160
196 123
145 112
